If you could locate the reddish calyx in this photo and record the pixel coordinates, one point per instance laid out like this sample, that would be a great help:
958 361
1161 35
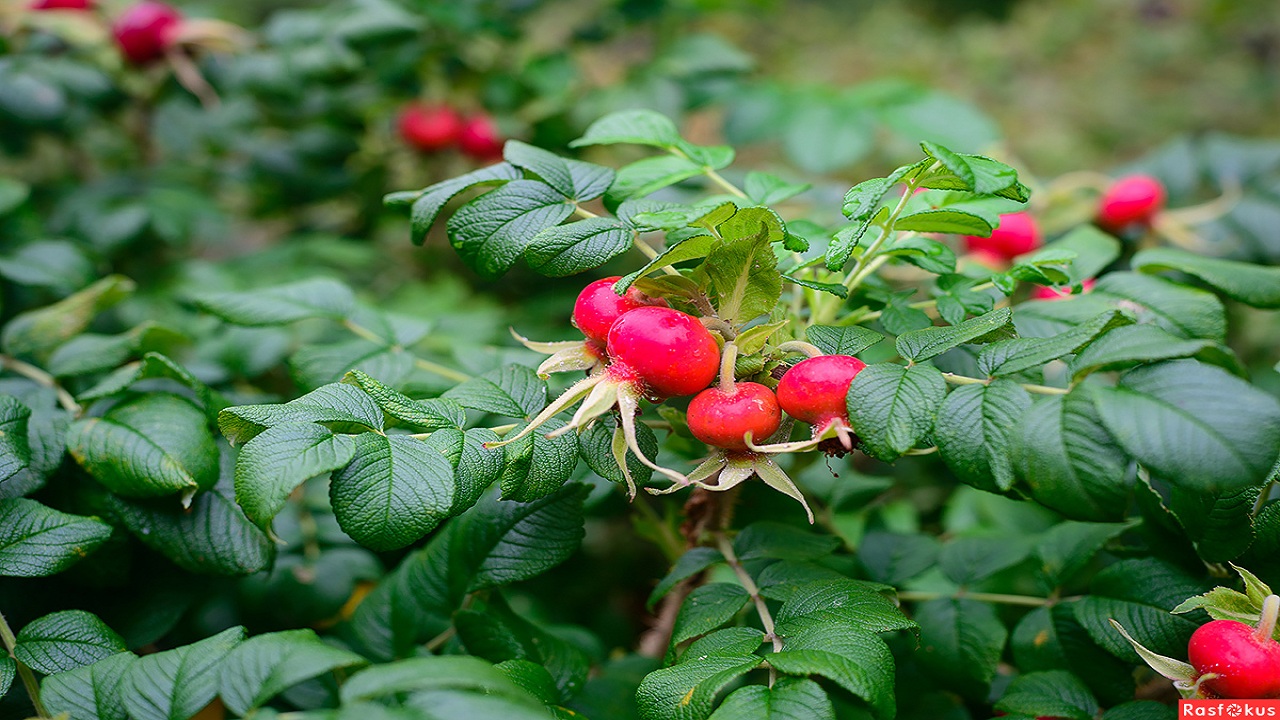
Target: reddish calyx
144 32
1016 235
1131 200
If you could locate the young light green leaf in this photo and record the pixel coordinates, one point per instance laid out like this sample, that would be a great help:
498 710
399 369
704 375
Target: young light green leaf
921 345
846 340
837 289
1194 424
512 391
493 231
976 432
428 203
892 407
263 666
176 684
36 540
691 248
153 445
574 179
744 277
945 220
989 177
279 459
92 692
47 327
568 249
66 640
280 304
639 127
394 491
1250 284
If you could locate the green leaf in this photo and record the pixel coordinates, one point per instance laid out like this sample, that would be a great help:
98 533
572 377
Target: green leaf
688 249
845 603
574 179
91 352
47 327
1133 344
45 446
976 432
213 536
1069 459
825 134
579 246
1220 525
154 365
430 414
1008 357
1250 284
1094 251
846 340
57 264
920 345
1141 710
856 660
498 634
707 608
692 562
837 289
842 244
1055 693
687 691
925 253
536 465
509 541
596 445
493 231
638 127
275 462
892 407
894 557
92 692
176 684
475 467
264 666
945 220
863 200
1184 311
647 176
1067 548
280 304
8 671
768 539
975 173
788 699
426 208
149 446
36 541
512 391
394 491
1139 594
766 189
12 194
1194 424
15 446
961 642
64 641
967 561
430 673
340 407
533 678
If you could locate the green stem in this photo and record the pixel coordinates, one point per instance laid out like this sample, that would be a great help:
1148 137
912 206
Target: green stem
583 212
1265 494
1029 387
28 677
434 368
718 179
861 267
766 618
31 372
999 599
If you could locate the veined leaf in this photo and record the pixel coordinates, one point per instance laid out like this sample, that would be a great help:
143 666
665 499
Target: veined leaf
575 179
263 666
976 432
1250 284
36 540
921 345
340 407
66 640
744 277
176 684
512 391
568 249
429 202
639 127
788 699
47 327
892 407
493 231
394 491
281 304
92 692
279 459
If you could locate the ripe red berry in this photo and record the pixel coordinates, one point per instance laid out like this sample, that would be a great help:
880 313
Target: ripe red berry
1248 666
429 127
146 30
1134 199
814 390
479 138
669 352
722 419
1016 235
1044 292
598 306
62 5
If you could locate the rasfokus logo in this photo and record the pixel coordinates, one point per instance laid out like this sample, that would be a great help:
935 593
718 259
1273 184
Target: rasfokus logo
1229 709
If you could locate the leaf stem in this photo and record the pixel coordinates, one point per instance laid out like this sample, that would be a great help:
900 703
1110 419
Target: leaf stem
955 379
443 371
31 372
583 213
862 266
28 677
997 598
718 179
766 618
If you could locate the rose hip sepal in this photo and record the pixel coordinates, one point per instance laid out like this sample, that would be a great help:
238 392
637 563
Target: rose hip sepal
653 352
1131 200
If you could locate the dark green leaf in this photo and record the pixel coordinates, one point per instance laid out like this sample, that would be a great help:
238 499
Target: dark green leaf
493 231
689 564
428 204
788 699
893 558
1133 344
1221 526
92 692
1250 284
961 642
340 407
1067 548
508 541
497 634
707 608
644 177
687 691
394 491
568 249
854 659
47 327
845 603
847 340
1139 595
595 444
15 447
969 560
263 666
892 407
1052 694
154 365
921 345
782 542
574 179
430 414
36 541
925 253
536 465
431 673
279 459
512 391
176 684
1008 357
837 289
945 220
64 641
1141 710
280 304
1069 460
976 432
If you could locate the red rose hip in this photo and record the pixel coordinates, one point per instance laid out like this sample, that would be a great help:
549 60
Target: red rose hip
1131 200
598 307
1016 235
1247 665
722 419
814 390
479 138
146 30
668 351
62 5
429 127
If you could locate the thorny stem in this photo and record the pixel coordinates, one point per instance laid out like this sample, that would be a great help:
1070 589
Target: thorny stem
31 372
434 368
766 618
28 677
1029 387
999 599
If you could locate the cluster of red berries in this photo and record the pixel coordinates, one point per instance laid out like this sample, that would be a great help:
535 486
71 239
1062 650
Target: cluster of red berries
431 127
144 32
